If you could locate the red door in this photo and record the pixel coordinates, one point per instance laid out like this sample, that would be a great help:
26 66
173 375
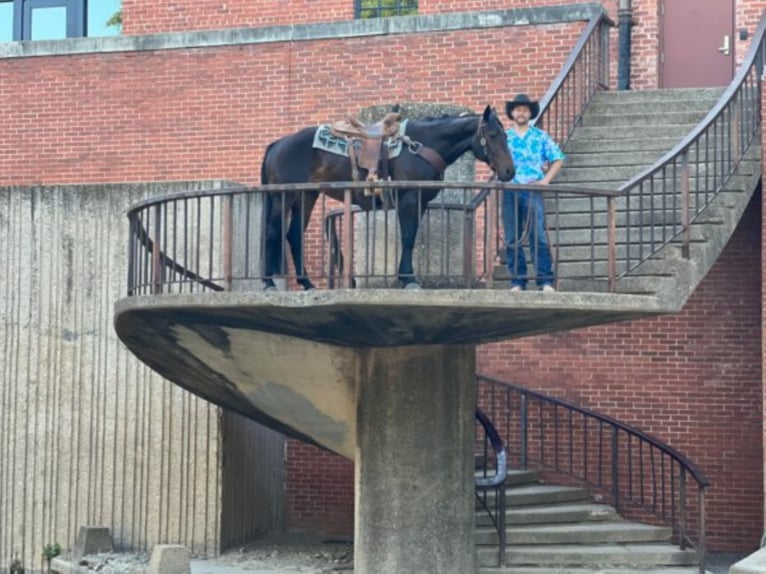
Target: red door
696 43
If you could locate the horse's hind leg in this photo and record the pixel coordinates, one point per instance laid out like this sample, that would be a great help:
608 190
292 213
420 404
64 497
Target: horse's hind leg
410 209
273 254
299 220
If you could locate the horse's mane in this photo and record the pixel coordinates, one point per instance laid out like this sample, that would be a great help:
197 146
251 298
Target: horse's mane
446 117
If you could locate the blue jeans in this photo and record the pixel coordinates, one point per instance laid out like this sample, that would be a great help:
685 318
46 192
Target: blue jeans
524 220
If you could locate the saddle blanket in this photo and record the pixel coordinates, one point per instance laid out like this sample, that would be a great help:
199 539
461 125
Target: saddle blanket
326 141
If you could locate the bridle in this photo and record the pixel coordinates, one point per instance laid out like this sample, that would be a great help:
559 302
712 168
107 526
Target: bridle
481 135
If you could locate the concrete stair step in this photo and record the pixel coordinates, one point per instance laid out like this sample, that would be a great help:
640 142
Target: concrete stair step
580 159
543 494
576 533
649 215
665 96
592 174
564 204
638 556
619 106
517 477
553 513
700 178
660 144
564 238
602 117
611 133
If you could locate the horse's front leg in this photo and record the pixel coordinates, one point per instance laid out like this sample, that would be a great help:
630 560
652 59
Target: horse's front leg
299 221
273 224
410 209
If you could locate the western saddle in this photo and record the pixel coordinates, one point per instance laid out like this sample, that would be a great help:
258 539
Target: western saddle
366 145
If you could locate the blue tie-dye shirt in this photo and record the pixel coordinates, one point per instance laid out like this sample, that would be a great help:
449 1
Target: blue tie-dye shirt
531 152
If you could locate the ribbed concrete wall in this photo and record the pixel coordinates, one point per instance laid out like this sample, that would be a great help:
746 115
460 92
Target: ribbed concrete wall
88 434
253 480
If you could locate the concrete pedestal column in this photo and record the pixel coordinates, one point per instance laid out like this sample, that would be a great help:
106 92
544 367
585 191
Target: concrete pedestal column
414 460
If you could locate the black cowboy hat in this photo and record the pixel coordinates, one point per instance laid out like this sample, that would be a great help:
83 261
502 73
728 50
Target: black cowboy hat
522 100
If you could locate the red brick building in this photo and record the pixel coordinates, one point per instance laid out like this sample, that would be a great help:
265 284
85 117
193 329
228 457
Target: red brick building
171 101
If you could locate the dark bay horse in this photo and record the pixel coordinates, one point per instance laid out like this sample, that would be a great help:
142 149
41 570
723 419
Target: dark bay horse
431 144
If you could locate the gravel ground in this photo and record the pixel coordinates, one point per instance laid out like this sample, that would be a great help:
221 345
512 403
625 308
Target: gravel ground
287 557
283 557
292 556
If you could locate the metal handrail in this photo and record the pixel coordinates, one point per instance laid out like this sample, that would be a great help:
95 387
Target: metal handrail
635 470
565 102
492 479
698 168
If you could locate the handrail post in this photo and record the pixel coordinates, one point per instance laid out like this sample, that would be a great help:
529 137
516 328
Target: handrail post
157 253
469 249
734 118
611 222
615 469
501 525
524 431
348 238
132 250
227 242
493 212
701 547
685 204
682 509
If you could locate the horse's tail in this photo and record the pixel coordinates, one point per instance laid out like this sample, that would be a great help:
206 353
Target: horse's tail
265 181
266 215
264 171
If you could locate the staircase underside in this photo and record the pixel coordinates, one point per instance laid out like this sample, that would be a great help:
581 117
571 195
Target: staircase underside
288 360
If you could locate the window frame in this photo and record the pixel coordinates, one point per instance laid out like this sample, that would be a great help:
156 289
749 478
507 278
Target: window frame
75 16
410 5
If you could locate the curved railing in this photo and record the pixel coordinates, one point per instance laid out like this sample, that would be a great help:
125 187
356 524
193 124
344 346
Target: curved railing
584 73
658 205
211 240
491 472
638 474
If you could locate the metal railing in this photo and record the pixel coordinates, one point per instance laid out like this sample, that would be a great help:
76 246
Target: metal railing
635 472
584 73
211 240
659 205
491 472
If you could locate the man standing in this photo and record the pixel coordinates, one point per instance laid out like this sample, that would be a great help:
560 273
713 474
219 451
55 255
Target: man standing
533 151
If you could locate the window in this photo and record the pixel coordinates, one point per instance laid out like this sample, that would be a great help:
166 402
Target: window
385 8
56 19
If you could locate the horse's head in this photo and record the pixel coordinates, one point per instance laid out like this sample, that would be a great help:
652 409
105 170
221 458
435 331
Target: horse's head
490 145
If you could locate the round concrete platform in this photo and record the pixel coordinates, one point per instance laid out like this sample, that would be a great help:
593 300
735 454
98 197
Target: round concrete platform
386 317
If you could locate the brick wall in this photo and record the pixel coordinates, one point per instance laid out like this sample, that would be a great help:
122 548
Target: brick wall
692 379
147 17
209 113
320 491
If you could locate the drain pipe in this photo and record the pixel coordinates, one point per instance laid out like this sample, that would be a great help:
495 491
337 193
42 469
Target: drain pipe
625 23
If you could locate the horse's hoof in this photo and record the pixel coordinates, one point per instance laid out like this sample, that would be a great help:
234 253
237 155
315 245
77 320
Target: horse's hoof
414 286
270 288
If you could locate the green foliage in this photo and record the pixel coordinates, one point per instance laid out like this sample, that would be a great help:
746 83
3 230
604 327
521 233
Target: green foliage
50 551
116 19
16 567
386 8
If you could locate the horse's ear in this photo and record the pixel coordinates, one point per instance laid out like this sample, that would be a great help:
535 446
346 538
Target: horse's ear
487 112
